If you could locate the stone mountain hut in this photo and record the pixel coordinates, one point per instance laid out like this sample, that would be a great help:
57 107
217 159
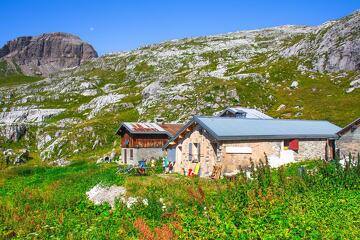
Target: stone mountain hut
229 143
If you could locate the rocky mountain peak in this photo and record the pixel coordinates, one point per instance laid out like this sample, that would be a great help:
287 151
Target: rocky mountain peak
47 53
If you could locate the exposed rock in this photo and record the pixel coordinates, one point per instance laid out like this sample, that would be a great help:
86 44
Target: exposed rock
232 93
60 162
22 157
294 84
96 143
151 89
42 140
8 152
28 116
99 103
281 107
104 159
12 132
108 87
49 152
89 92
353 85
112 155
47 53
100 194
59 133
335 45
66 122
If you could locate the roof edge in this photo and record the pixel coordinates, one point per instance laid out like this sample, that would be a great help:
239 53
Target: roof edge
347 127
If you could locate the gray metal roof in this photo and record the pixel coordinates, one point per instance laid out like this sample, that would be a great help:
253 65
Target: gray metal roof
228 128
250 112
236 128
349 126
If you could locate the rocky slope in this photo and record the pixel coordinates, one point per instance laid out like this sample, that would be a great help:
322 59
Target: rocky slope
287 72
46 54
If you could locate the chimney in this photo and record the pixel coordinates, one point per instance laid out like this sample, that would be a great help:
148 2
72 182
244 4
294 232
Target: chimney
159 120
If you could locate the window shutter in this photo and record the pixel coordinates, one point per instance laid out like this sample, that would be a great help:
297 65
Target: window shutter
294 144
190 151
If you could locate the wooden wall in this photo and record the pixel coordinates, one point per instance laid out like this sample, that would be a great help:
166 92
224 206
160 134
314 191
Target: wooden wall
143 140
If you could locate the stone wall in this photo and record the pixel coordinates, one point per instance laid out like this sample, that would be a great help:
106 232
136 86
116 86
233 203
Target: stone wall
141 153
232 162
349 143
311 149
207 153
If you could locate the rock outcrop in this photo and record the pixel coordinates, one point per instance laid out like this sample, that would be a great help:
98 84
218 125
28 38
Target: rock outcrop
47 53
28 116
335 45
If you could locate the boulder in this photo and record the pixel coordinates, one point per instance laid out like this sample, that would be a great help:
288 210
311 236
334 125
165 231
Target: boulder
232 93
294 84
104 159
60 162
281 107
22 157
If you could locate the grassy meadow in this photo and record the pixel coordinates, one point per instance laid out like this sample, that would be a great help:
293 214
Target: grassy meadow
320 202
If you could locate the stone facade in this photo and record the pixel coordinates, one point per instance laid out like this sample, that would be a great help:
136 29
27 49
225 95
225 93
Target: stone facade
202 150
311 149
349 142
132 156
198 147
233 162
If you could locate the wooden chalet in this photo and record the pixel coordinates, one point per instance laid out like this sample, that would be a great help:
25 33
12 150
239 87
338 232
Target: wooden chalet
144 140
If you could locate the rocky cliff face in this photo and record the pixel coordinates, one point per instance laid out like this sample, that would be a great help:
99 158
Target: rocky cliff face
46 54
333 46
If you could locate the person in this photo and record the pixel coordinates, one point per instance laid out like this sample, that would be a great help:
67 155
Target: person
171 166
165 164
141 169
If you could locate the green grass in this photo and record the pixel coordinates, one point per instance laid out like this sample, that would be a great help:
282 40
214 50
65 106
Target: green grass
9 77
40 202
16 79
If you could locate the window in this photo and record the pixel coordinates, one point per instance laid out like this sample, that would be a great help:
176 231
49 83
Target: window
125 156
190 151
197 152
240 114
131 154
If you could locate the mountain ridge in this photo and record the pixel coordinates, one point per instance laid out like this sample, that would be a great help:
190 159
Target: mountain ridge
47 53
283 71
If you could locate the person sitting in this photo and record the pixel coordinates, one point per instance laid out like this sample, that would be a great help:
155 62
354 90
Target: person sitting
165 164
142 166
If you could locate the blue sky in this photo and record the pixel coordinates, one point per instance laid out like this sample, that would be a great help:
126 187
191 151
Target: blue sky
111 25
